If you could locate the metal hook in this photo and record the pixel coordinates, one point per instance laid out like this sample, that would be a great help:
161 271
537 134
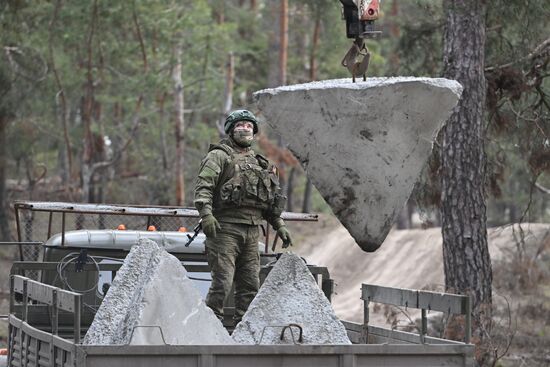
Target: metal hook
284 327
147 326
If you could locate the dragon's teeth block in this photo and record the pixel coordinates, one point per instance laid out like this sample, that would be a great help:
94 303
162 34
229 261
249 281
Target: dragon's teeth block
290 295
152 301
364 144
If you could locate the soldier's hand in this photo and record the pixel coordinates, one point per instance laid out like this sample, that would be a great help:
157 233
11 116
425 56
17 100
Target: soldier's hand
210 225
284 234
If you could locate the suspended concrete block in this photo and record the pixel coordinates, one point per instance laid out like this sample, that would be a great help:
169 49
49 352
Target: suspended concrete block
364 144
289 296
152 301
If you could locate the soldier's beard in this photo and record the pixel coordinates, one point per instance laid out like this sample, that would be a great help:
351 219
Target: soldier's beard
243 138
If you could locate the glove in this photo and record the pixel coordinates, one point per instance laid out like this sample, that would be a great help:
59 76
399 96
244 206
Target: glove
284 234
210 225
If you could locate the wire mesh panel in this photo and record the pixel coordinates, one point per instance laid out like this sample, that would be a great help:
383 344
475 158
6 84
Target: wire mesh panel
37 222
40 226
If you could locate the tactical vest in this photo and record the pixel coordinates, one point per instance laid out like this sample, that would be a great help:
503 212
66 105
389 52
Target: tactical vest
247 180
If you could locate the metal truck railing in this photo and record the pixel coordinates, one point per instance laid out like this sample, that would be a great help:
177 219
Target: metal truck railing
33 347
415 299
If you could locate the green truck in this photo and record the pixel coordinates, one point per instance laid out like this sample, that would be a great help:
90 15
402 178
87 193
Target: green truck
69 254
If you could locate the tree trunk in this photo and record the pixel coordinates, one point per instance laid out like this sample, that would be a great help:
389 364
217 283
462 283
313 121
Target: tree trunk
195 113
394 32
162 185
178 125
273 44
4 225
87 110
219 11
467 264
228 92
290 190
283 45
314 46
402 219
306 207
61 102
283 53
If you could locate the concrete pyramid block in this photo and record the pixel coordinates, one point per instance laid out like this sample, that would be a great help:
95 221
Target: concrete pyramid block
152 301
364 144
290 295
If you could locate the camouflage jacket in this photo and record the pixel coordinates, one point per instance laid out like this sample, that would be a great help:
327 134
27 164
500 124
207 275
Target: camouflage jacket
238 187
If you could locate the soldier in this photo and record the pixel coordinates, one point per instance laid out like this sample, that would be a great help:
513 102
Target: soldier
236 189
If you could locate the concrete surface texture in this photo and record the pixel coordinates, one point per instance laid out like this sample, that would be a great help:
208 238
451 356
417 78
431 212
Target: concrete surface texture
364 144
290 295
152 301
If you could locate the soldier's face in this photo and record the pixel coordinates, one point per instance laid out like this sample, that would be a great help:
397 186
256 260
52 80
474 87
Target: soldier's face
244 126
243 133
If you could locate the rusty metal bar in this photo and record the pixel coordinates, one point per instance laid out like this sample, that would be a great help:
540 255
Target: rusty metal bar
77 311
12 293
468 335
55 313
365 326
424 327
25 300
266 250
50 225
63 229
115 209
19 238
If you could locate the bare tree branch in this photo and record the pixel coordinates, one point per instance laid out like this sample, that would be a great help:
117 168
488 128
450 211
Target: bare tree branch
61 92
140 38
539 50
542 188
133 130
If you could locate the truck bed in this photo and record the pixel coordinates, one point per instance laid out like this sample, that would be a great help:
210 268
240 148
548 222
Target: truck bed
32 347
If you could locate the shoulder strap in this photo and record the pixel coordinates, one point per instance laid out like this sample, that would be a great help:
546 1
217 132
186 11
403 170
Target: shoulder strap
226 148
263 161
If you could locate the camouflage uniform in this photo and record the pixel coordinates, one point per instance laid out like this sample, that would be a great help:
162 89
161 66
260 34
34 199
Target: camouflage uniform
240 189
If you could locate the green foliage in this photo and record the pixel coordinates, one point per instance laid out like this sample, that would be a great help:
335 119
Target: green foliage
126 50
518 108
517 135
412 40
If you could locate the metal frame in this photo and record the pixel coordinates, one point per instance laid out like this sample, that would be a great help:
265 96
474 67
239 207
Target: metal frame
57 298
67 354
131 210
139 210
33 347
276 355
423 300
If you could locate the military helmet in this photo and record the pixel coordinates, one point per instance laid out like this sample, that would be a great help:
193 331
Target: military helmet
240 115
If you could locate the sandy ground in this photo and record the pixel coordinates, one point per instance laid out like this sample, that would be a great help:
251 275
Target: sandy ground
407 259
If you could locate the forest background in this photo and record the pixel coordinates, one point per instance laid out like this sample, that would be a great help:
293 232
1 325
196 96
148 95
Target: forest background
118 101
